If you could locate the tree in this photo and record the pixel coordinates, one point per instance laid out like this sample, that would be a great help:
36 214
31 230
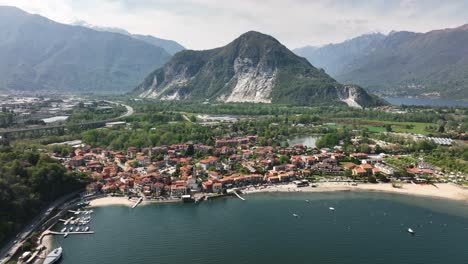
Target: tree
371 179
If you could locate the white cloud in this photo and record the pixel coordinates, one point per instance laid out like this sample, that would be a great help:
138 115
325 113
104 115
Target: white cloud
203 24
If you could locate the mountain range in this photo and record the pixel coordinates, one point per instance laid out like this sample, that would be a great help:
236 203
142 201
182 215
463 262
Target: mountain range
432 64
42 56
170 46
253 68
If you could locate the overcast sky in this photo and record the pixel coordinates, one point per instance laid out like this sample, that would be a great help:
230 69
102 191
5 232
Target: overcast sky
205 24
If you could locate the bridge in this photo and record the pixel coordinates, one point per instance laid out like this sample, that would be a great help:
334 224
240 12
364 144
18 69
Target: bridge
60 129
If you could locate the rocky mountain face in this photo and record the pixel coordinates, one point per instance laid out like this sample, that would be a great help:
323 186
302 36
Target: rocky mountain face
253 68
170 46
432 64
41 56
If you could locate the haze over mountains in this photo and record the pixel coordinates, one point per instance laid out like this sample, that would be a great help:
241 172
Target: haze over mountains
170 46
43 56
253 68
433 64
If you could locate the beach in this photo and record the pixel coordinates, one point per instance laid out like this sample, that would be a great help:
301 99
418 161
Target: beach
123 200
442 190
111 200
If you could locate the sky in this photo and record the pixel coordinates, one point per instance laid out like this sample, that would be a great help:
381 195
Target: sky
205 24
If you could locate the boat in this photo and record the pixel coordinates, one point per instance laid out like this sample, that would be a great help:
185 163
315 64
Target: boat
86 229
77 229
70 229
295 215
307 201
411 231
332 208
53 256
64 229
65 235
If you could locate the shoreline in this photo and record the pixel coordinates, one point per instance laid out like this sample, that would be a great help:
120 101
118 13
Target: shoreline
441 191
123 200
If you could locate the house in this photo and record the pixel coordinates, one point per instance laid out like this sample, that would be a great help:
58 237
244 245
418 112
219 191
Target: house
142 160
359 156
77 161
207 186
209 162
217 187
358 171
131 152
178 190
157 188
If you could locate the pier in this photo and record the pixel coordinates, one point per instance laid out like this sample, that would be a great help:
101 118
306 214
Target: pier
70 233
66 221
238 196
137 202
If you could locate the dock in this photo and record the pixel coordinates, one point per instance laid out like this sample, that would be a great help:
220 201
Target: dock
66 221
71 233
238 196
137 202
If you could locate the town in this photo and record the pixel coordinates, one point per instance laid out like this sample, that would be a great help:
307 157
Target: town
173 171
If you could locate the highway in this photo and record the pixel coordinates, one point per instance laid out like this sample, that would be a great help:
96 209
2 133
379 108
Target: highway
129 112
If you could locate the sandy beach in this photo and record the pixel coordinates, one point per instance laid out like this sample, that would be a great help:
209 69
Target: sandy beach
443 190
109 200
121 200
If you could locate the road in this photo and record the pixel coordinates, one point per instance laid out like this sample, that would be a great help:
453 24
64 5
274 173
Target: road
129 112
15 243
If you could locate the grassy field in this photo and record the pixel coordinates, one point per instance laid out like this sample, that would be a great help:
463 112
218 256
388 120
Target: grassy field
378 126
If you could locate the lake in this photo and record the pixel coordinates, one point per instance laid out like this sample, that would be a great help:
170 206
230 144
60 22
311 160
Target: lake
365 228
424 101
308 141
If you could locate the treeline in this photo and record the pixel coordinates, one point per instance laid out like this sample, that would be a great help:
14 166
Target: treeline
94 113
449 158
145 134
29 181
6 119
426 115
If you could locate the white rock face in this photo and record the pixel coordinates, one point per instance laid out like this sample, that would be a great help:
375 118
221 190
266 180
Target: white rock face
151 90
178 79
349 95
251 84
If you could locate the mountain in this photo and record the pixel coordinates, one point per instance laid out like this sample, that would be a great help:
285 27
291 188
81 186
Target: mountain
432 64
333 58
169 46
43 56
253 68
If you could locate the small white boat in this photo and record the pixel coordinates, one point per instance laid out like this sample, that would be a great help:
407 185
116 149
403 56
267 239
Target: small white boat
332 208
64 229
77 229
307 201
86 229
295 215
411 231
70 229
65 235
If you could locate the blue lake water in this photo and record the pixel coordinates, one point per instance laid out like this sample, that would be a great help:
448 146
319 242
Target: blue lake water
424 101
365 228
